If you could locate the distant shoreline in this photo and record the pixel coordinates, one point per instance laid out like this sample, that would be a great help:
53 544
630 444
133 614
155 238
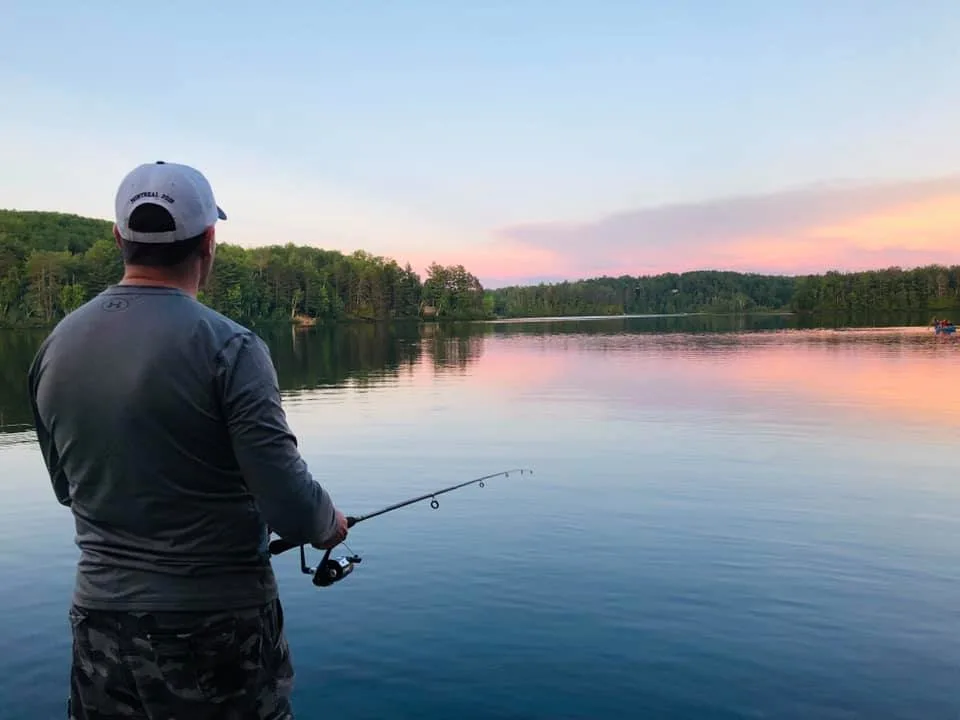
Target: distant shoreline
627 316
51 263
839 320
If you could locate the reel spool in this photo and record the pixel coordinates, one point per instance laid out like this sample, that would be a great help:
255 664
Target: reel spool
328 571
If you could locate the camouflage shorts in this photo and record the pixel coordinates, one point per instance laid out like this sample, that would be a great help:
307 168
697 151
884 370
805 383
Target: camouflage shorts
230 665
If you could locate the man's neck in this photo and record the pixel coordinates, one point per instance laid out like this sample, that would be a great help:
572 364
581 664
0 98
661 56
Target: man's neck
157 278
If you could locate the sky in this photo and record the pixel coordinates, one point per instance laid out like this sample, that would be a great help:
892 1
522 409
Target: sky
529 140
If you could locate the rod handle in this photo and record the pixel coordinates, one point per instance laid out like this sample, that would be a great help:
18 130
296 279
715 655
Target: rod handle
281 546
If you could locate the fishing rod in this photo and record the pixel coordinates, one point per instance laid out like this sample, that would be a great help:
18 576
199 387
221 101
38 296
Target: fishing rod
330 571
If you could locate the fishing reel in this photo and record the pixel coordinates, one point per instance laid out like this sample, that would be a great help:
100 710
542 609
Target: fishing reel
328 571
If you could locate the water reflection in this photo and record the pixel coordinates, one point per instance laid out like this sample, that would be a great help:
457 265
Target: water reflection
668 361
363 355
886 379
740 496
17 348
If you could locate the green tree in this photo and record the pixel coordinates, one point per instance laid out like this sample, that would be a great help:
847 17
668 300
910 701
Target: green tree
50 262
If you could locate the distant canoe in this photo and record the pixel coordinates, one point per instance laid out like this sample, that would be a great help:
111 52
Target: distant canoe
945 329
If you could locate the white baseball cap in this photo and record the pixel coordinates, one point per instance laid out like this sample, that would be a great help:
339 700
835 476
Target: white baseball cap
180 189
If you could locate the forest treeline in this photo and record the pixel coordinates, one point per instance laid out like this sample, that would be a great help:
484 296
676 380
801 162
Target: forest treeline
51 263
931 288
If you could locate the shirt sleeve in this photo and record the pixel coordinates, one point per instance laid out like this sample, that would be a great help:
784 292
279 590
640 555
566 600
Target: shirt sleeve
291 502
51 458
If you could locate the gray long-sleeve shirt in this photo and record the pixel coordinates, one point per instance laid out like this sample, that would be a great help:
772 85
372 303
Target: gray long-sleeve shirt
161 426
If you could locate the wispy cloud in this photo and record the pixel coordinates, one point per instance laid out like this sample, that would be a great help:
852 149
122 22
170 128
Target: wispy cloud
813 229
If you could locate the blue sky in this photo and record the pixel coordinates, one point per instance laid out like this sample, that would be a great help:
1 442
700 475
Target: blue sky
426 129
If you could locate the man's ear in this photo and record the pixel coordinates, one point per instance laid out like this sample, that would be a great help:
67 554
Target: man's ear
116 236
209 241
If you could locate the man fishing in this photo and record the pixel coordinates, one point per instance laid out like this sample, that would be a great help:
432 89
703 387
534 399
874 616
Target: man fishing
161 426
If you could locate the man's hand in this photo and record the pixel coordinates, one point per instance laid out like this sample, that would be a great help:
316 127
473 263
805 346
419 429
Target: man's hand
338 536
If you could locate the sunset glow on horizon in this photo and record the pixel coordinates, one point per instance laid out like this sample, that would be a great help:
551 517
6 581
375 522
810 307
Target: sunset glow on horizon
528 142
906 234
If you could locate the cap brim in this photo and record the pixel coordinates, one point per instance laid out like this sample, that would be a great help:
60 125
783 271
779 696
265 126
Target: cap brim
220 213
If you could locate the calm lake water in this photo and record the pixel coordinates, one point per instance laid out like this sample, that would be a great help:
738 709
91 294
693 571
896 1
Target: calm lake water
727 519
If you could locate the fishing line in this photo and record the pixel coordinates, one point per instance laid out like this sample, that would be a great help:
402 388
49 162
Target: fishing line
333 570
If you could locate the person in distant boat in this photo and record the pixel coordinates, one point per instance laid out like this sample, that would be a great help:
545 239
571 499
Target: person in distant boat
161 426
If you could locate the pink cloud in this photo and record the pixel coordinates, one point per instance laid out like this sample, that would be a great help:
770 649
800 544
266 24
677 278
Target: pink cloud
810 230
